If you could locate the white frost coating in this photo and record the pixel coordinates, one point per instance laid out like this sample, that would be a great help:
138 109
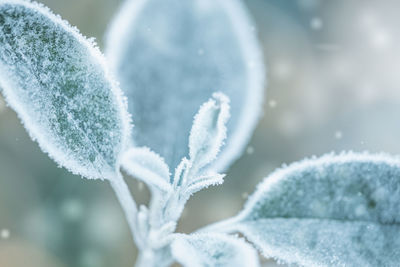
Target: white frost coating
325 243
181 172
171 55
207 136
148 167
208 131
337 210
57 82
213 250
205 181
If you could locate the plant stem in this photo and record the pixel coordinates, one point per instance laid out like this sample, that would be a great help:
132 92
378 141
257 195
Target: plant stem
128 204
144 259
153 258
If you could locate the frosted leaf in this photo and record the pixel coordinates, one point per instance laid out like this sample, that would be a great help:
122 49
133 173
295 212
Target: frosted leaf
181 172
338 210
317 243
171 55
204 181
148 167
56 81
213 250
208 131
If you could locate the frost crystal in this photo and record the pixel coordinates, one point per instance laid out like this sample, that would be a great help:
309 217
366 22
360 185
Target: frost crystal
338 210
56 81
213 250
171 55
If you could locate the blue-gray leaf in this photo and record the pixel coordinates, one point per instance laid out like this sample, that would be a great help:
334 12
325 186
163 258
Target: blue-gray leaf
56 81
213 250
171 55
341 210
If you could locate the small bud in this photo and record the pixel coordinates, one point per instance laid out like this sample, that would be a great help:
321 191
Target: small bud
209 130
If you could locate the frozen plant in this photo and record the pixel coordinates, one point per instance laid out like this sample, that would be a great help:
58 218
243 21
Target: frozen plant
337 210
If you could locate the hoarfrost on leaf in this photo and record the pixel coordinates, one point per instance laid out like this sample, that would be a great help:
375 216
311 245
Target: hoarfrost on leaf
206 137
147 166
171 55
208 131
337 210
204 181
171 193
213 250
58 84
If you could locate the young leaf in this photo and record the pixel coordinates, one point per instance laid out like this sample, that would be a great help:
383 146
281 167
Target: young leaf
171 55
56 81
181 173
148 167
208 131
338 210
213 250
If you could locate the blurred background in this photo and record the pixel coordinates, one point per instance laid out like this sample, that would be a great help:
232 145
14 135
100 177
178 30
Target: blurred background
333 85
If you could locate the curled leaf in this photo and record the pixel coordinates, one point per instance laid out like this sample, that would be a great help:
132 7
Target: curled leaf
338 210
171 55
213 250
57 82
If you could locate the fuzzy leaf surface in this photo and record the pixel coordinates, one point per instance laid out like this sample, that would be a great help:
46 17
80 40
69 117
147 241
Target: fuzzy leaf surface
147 166
209 130
337 210
56 81
213 250
171 55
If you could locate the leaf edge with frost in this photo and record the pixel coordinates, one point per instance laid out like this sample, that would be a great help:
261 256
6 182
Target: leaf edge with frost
116 92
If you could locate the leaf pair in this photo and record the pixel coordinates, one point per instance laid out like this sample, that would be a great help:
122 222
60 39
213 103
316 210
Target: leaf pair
206 138
58 83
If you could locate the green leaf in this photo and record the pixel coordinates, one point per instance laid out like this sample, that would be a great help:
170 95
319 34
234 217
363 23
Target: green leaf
57 82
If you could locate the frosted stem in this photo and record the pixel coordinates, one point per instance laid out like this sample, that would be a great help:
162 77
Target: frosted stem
153 258
145 259
128 204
